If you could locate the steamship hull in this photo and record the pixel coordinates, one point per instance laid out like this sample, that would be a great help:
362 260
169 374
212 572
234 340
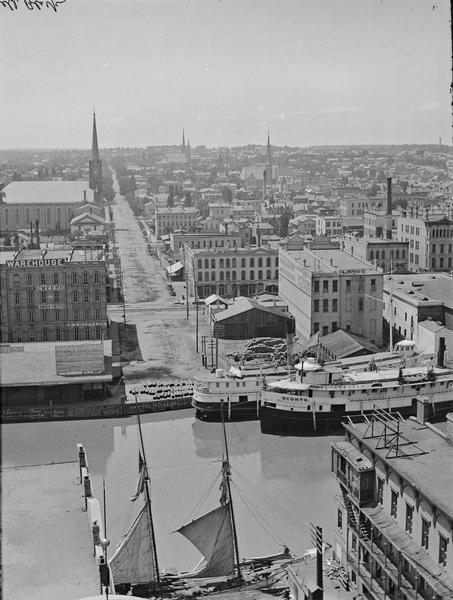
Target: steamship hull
278 421
232 411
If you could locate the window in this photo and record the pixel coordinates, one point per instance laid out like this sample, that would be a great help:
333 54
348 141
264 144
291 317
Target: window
380 491
425 534
335 305
86 296
316 285
325 330
243 263
334 326
268 262
17 316
86 314
75 296
76 333
212 275
334 285
443 550
75 314
252 275
42 278
243 275
268 274
58 334
87 333
57 297
409 517
29 279
85 278
325 305
373 284
97 314
348 285
315 327
17 298
360 304
340 519
325 285
43 297
315 306
57 315
55 278
252 262
394 504
44 315
200 266
74 279
31 316
44 334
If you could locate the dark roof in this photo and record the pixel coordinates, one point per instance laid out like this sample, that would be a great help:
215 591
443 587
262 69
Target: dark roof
342 344
243 305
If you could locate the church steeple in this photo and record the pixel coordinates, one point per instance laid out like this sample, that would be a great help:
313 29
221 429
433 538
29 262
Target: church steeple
95 166
183 141
269 153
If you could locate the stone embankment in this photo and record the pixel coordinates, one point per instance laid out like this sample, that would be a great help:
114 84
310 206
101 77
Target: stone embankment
147 397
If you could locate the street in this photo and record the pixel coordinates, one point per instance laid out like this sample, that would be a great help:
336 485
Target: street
166 338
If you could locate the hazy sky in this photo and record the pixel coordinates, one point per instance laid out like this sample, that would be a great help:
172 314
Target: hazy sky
311 71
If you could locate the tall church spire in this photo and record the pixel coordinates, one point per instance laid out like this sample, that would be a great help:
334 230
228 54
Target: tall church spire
94 143
183 142
95 167
269 153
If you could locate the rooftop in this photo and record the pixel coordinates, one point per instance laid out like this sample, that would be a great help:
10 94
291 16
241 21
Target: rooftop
47 192
35 363
431 472
422 287
67 255
243 304
327 261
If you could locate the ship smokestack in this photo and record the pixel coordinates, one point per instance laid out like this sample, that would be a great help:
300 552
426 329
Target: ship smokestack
389 195
290 332
441 353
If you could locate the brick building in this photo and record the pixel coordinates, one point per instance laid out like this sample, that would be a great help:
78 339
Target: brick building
49 295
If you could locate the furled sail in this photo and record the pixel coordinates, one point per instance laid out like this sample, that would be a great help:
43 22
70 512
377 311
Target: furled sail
133 562
212 534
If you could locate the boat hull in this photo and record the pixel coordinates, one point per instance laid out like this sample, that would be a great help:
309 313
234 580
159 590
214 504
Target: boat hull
234 411
277 421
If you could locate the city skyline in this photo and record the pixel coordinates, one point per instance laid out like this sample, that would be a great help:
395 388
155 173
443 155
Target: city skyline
313 73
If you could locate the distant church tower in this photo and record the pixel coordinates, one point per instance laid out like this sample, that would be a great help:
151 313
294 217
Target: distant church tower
269 160
183 142
95 167
188 153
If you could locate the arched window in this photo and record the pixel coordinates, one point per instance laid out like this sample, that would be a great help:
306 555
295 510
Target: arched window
260 262
371 254
252 262
276 273
206 263
85 277
212 275
55 278
243 275
221 275
234 275
212 263
206 276
268 274
227 263
252 274
268 261
233 263
260 275
242 262
221 265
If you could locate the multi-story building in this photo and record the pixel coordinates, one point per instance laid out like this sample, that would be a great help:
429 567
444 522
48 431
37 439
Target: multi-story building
220 211
394 514
355 206
329 225
430 240
52 203
204 239
410 299
387 254
231 272
166 220
328 289
49 295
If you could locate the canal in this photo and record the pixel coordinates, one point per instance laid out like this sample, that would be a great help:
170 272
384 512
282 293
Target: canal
280 484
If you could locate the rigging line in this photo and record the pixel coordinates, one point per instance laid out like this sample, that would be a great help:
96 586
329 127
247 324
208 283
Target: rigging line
183 464
203 498
272 501
259 517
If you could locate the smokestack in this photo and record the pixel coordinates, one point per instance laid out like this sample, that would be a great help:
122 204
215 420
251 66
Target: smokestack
389 195
441 352
37 233
290 332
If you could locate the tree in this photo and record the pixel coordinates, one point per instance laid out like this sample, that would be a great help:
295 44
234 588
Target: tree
171 200
227 195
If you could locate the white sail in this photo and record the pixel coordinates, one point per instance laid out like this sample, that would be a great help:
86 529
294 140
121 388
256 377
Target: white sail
133 562
212 534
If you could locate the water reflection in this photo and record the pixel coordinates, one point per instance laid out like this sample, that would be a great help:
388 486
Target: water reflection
280 484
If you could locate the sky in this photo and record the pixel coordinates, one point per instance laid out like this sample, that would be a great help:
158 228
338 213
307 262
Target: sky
312 72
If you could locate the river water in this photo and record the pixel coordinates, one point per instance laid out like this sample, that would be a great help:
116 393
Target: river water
280 484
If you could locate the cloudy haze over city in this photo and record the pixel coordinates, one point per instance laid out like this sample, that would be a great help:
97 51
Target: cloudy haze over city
313 72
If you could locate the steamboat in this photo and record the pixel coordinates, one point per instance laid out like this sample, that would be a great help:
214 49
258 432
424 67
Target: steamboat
319 397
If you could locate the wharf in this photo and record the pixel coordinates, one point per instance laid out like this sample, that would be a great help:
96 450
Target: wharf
151 397
46 534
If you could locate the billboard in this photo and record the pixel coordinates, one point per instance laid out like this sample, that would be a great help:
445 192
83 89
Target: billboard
86 358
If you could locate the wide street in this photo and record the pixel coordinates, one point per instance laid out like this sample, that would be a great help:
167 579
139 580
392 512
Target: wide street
165 335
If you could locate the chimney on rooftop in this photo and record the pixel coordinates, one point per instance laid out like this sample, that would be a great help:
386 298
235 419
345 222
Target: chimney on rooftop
389 195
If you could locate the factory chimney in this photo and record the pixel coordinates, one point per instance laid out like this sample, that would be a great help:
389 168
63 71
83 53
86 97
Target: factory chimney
290 332
389 196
